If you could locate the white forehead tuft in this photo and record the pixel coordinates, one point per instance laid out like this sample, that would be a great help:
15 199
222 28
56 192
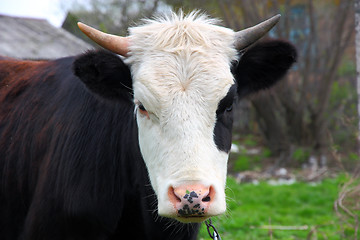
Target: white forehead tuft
176 53
176 32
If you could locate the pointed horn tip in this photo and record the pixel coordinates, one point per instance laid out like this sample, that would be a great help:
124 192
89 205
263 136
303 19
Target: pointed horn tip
273 20
276 17
116 44
250 35
82 26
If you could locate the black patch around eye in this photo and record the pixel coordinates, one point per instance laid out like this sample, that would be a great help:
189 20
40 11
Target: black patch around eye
224 121
226 103
228 109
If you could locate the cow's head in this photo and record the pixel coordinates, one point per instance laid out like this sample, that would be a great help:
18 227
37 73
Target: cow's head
186 73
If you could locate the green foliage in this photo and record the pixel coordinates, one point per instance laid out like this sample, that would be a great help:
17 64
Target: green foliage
341 93
250 141
102 27
353 157
343 121
301 155
347 68
242 163
252 206
266 153
250 155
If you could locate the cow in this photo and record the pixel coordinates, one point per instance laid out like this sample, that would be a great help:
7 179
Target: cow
131 141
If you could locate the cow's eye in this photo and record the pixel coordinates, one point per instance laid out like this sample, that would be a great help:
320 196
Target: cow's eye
142 110
229 109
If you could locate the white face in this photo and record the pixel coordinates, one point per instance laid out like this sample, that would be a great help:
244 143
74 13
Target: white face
180 86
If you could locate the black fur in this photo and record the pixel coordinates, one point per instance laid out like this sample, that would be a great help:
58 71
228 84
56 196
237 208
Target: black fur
224 121
105 74
263 65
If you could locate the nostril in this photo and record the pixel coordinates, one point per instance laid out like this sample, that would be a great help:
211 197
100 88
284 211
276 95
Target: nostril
206 199
172 196
210 194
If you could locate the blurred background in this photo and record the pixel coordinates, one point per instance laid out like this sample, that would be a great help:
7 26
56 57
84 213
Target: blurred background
294 166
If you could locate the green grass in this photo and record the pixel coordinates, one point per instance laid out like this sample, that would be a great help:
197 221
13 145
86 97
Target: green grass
251 207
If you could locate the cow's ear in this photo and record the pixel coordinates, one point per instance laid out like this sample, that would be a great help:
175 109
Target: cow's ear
261 66
105 74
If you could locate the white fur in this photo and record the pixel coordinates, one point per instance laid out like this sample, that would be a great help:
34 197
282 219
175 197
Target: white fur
181 70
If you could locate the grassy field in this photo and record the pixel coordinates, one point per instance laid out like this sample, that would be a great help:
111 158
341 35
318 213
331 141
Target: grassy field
302 205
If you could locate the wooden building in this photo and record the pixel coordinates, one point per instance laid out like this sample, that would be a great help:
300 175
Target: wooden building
30 38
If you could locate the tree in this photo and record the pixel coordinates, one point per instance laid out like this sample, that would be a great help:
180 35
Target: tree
112 16
357 42
301 105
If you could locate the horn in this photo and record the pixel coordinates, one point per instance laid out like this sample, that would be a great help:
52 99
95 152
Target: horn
116 44
246 37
